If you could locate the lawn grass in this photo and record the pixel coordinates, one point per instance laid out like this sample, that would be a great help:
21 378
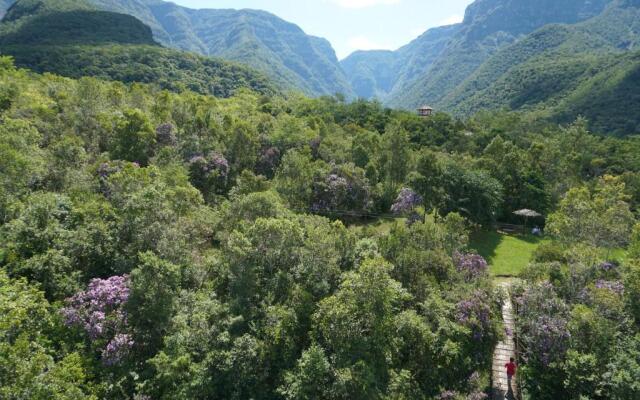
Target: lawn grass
506 254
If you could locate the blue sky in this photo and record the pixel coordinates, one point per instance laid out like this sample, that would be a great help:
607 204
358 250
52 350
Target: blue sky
355 24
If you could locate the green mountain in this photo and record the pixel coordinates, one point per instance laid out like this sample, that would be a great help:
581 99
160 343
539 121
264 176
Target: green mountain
563 71
489 26
558 59
379 73
72 38
66 22
281 50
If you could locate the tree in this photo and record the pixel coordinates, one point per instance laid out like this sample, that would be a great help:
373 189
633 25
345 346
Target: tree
600 217
34 244
154 288
356 325
294 178
472 193
427 179
342 191
27 368
21 161
100 312
135 137
396 154
523 184
634 246
312 378
261 260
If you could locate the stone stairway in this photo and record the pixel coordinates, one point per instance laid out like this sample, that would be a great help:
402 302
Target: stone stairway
503 352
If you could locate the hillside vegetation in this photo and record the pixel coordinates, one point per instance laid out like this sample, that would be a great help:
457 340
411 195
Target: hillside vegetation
180 246
279 49
70 38
532 57
548 59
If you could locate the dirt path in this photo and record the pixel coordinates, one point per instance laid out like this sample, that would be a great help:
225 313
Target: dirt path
503 352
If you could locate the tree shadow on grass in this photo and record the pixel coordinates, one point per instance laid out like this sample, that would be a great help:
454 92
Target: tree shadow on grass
486 243
529 238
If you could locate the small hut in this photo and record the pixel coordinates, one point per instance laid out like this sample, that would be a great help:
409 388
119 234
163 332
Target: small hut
425 111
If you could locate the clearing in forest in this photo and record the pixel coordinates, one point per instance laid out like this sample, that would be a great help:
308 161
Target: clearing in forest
507 254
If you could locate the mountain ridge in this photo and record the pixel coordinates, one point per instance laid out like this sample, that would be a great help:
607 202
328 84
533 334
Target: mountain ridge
73 38
259 39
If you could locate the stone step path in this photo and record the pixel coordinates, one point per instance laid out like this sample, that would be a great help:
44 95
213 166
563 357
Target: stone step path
502 388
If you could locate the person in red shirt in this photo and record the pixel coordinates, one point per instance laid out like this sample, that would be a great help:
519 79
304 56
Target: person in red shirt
511 370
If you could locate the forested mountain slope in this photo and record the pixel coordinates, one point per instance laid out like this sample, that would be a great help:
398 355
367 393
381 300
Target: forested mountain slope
489 25
379 73
558 59
588 69
279 49
72 38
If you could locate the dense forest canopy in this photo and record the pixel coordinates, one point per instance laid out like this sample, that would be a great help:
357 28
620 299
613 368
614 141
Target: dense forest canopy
168 245
177 227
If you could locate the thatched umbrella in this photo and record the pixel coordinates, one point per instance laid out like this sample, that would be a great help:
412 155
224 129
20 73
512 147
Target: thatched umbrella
526 213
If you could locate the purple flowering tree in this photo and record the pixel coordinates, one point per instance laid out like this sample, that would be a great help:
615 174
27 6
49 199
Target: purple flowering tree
269 161
616 287
211 172
108 169
406 202
474 312
344 191
542 322
99 312
608 266
471 266
448 395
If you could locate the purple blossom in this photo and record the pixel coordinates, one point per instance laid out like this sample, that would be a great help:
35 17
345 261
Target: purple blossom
472 266
340 192
315 147
475 313
334 187
105 170
447 395
477 396
117 349
165 135
208 172
543 324
616 287
218 163
99 312
215 162
413 218
608 266
406 201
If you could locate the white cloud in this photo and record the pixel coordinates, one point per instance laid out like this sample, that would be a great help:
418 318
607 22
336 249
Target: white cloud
363 3
454 19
